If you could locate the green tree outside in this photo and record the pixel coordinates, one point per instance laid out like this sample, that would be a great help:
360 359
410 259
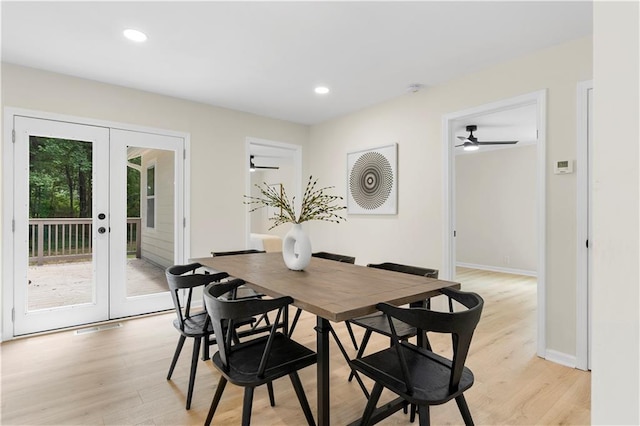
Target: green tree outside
60 179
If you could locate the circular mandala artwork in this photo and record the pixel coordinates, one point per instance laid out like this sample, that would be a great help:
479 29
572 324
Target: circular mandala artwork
371 180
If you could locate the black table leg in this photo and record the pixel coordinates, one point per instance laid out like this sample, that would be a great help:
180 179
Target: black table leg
421 338
322 328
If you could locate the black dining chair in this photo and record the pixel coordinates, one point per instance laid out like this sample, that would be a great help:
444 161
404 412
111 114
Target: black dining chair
419 375
191 323
251 363
234 252
247 292
377 323
194 323
333 256
337 258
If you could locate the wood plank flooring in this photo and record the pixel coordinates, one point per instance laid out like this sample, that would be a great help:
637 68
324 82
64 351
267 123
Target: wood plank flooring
117 377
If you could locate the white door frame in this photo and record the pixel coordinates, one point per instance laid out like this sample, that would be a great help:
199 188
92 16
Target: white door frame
539 98
583 227
8 258
297 174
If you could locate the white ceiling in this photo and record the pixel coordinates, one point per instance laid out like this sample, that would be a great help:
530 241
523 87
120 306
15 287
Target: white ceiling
267 57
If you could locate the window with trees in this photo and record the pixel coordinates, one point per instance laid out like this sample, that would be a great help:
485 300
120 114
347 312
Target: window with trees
151 196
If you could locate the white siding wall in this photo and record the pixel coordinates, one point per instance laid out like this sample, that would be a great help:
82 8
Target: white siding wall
158 242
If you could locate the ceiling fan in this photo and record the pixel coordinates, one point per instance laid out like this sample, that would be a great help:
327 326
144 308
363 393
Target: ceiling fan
253 167
471 143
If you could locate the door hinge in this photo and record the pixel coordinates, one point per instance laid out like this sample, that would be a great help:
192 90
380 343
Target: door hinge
184 222
13 314
13 225
184 154
13 135
537 135
455 233
587 243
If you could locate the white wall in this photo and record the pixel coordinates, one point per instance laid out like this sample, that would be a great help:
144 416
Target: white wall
218 135
496 209
615 381
414 121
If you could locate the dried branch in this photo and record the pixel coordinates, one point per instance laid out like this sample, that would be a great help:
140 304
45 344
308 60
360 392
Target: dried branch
316 205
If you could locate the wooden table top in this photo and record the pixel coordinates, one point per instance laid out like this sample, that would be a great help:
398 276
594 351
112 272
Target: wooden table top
333 290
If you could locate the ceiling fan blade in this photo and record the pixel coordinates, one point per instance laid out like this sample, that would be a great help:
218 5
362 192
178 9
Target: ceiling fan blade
497 143
253 167
458 146
462 138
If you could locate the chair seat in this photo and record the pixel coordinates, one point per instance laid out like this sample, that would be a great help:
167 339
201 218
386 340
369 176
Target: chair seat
194 325
286 356
428 372
379 323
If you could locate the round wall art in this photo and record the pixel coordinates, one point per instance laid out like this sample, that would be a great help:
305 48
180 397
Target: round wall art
373 181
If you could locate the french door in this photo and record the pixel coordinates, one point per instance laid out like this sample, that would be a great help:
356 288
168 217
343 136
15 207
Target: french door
98 216
138 284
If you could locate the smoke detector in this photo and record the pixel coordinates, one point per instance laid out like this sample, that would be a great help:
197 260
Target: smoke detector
415 87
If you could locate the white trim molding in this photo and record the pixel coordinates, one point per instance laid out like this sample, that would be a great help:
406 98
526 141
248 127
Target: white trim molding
560 358
492 268
583 165
7 266
538 98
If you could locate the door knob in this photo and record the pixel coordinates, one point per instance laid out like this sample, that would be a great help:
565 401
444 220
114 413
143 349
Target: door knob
101 216
101 230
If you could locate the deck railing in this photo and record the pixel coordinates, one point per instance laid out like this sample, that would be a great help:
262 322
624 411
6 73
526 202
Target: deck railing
62 239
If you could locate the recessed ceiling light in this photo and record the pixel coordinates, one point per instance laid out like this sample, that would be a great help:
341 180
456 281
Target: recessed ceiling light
321 90
135 35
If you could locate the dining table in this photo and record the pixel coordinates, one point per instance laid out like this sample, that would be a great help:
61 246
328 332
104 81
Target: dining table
332 291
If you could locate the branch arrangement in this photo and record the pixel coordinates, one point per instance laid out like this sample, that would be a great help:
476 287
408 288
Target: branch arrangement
316 205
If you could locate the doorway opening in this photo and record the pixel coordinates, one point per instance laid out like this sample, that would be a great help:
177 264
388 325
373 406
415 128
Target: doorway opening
451 124
279 165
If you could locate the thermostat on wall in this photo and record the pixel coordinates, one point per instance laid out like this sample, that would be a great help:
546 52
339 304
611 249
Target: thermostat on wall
563 167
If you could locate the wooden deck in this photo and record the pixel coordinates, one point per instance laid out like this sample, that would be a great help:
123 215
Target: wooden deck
62 284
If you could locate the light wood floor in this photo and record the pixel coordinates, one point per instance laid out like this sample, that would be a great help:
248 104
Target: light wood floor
117 376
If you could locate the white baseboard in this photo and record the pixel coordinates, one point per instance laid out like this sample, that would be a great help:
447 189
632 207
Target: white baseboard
498 269
560 358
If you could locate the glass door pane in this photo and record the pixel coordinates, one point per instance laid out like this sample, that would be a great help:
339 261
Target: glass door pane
150 244
60 223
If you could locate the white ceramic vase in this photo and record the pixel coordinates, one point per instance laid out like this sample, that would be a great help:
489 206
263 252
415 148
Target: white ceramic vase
296 248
